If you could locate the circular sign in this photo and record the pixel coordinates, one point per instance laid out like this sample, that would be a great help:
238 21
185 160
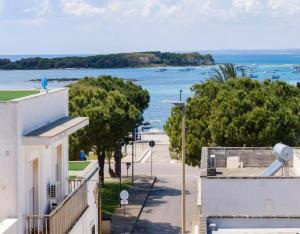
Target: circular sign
151 143
124 195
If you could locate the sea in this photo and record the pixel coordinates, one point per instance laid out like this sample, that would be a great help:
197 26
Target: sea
163 85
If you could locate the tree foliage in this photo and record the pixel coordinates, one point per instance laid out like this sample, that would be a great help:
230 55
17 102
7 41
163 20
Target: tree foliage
224 73
137 59
236 113
114 107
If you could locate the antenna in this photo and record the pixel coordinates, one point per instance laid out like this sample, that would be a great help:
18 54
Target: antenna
283 153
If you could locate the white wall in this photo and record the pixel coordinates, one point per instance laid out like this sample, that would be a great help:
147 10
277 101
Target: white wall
8 160
261 196
296 162
255 222
17 118
35 112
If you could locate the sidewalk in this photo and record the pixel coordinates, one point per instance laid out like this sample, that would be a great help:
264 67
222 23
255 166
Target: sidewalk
137 197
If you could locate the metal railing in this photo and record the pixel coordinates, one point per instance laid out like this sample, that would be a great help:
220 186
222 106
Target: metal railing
63 217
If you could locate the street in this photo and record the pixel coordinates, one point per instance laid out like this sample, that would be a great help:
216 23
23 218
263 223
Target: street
162 211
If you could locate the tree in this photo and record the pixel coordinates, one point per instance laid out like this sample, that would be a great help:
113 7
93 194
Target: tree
135 95
236 113
112 115
224 72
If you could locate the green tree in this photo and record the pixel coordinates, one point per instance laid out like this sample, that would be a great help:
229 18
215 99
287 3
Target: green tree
224 72
112 115
135 95
236 113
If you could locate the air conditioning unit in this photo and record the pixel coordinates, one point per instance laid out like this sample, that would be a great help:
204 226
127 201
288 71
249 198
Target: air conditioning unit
53 191
53 196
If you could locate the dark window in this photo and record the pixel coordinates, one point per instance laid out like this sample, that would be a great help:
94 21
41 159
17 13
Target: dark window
93 229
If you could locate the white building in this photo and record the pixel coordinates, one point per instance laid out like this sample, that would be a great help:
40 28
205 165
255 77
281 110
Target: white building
34 190
234 197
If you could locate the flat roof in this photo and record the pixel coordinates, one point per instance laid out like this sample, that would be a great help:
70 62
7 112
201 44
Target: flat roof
8 95
257 231
52 132
248 171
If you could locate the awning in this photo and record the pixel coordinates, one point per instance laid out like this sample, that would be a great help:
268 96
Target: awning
55 131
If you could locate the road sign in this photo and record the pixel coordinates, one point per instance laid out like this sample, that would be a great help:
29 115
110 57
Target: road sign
124 202
124 195
151 143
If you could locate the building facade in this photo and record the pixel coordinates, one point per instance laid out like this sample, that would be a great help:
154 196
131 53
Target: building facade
234 197
34 187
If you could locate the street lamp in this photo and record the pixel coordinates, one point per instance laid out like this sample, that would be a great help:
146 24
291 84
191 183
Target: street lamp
183 112
180 92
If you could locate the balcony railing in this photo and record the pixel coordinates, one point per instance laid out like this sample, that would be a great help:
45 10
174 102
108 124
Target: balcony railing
63 217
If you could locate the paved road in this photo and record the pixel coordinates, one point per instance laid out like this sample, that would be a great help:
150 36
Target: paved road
162 211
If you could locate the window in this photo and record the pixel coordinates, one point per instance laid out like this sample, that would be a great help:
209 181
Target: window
93 231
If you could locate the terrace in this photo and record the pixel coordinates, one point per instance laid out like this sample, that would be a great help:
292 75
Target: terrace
234 194
9 95
67 213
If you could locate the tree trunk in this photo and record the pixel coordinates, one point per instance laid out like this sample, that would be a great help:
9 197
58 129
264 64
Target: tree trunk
101 161
118 157
74 155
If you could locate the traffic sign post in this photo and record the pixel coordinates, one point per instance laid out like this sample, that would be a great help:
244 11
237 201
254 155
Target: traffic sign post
151 144
124 195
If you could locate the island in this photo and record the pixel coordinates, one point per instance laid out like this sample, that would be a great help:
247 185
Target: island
120 60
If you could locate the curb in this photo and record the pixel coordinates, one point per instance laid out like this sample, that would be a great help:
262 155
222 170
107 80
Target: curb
141 210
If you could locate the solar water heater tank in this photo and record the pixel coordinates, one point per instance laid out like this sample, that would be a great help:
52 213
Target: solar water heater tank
283 152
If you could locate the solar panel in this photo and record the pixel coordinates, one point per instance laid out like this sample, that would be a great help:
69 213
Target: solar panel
273 168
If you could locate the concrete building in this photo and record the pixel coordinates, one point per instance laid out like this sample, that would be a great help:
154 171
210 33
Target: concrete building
234 198
35 196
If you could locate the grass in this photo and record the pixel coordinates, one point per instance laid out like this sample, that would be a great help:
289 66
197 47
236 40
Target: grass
111 196
8 95
78 165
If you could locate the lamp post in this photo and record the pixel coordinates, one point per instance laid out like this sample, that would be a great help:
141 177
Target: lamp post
183 112
180 92
132 155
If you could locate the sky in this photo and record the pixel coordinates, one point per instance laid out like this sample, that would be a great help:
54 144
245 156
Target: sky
111 26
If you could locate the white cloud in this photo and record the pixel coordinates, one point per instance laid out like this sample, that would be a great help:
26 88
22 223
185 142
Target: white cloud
290 7
182 12
247 6
81 8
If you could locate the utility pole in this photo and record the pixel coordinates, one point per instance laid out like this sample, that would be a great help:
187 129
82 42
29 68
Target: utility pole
183 168
183 112
132 154
100 205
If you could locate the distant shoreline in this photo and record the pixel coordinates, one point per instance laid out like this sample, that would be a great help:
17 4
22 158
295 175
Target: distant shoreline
68 80
122 60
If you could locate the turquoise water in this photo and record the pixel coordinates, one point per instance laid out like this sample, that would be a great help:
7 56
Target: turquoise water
162 85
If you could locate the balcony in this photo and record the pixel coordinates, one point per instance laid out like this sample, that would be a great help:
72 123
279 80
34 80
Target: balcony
64 216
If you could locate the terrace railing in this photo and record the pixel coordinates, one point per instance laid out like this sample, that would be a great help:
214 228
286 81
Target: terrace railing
63 217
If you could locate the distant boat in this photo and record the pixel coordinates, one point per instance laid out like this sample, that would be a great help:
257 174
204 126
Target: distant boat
186 69
275 77
296 69
146 125
253 76
242 67
161 70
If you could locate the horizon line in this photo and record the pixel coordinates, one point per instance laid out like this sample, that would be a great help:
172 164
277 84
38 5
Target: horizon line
173 51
